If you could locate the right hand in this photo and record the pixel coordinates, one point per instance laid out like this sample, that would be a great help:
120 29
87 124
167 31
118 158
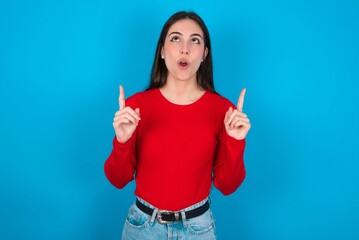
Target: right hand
125 120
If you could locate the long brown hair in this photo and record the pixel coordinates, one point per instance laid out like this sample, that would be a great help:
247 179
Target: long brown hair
205 72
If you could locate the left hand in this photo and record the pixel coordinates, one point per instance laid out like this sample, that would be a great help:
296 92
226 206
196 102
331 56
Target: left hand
235 121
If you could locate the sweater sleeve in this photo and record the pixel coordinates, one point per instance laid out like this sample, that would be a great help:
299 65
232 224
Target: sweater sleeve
121 164
229 171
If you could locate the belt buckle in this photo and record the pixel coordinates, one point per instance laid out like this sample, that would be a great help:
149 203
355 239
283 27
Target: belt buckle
159 216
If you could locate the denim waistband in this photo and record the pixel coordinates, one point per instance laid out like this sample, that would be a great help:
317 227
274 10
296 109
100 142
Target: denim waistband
194 206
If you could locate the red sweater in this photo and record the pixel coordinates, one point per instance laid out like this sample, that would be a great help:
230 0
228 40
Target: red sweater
177 150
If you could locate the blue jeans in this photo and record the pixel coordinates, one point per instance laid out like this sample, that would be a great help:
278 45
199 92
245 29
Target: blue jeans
140 226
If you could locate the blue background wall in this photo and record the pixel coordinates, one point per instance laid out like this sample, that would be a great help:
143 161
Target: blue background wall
60 66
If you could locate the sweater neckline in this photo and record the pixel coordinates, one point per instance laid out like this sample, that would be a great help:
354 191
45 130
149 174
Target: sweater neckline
181 105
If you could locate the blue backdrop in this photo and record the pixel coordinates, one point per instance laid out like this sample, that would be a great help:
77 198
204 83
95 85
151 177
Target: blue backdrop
60 66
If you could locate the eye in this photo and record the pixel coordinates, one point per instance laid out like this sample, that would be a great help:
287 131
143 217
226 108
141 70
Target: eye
196 41
175 39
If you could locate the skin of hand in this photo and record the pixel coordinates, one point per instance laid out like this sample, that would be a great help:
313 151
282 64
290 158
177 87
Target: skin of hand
236 122
125 120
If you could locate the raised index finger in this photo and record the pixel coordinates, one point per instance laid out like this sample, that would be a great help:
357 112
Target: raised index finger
121 98
241 100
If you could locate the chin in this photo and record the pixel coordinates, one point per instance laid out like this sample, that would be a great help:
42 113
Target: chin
186 77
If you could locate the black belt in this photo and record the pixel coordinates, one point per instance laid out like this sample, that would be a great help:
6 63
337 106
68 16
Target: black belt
168 216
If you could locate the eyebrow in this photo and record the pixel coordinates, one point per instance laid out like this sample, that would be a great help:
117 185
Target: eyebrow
192 35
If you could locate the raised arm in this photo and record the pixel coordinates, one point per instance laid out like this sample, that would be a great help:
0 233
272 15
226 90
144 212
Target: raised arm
121 164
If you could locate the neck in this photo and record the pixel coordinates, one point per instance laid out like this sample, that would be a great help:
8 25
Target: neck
182 92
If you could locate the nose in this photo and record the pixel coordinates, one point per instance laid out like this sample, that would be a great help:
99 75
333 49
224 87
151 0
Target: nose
184 52
184 49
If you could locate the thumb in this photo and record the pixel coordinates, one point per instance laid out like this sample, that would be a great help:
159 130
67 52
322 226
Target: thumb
137 110
228 113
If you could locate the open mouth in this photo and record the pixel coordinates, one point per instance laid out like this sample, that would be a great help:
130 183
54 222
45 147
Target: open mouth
183 64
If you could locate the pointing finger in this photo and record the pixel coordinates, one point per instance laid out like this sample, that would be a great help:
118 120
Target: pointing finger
241 100
121 98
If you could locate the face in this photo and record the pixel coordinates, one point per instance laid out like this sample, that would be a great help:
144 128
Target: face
183 50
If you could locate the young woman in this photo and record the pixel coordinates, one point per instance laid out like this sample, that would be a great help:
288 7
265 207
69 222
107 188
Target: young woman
176 138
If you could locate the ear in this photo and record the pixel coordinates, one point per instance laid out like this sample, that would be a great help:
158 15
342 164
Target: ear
205 53
162 53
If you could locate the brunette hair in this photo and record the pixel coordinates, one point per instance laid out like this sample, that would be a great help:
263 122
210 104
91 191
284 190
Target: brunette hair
204 73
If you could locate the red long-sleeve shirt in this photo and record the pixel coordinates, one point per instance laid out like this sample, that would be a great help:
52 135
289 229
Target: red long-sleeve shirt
177 150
